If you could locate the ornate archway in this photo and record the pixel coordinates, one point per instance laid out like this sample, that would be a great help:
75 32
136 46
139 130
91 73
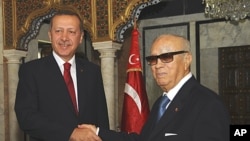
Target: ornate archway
103 20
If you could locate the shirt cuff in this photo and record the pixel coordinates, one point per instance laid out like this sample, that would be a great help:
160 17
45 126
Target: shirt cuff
97 130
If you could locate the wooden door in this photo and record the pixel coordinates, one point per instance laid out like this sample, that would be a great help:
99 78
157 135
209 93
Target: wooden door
234 82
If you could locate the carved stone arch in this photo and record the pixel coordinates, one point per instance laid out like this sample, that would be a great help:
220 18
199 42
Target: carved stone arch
122 27
36 20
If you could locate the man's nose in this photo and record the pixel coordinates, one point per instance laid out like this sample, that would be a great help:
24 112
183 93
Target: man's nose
64 36
159 63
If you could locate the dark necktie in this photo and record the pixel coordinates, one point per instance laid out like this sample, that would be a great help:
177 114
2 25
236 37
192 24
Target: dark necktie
70 84
162 106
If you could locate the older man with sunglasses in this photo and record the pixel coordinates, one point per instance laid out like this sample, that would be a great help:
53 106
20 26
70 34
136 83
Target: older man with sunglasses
192 112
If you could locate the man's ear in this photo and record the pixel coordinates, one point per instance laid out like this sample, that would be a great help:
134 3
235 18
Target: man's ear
188 60
82 35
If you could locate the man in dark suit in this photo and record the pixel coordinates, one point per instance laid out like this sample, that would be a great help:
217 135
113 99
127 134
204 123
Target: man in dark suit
194 112
43 106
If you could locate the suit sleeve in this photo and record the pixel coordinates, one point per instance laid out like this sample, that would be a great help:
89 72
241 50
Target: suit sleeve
110 135
103 119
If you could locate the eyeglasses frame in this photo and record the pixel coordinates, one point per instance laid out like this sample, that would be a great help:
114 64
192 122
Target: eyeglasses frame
165 54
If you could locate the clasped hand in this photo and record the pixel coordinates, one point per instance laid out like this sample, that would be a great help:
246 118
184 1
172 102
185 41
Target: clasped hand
85 132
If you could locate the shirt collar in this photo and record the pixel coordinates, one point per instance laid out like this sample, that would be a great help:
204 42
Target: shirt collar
60 62
172 93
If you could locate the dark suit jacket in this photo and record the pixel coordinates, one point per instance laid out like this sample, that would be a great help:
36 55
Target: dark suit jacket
195 114
43 106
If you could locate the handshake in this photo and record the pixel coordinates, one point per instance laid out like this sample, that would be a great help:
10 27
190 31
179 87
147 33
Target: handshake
85 132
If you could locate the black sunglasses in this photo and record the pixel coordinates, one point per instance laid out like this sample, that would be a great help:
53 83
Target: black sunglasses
165 57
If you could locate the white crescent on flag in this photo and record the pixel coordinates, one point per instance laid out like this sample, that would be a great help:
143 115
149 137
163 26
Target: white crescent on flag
130 59
133 94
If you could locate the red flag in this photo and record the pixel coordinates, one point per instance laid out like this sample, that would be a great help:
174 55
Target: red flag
135 105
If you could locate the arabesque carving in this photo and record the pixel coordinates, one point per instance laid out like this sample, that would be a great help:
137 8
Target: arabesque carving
104 20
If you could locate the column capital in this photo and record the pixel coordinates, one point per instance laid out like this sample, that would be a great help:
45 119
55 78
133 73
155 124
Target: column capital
13 56
107 48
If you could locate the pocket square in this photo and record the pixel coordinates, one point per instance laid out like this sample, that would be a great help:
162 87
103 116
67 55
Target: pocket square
170 134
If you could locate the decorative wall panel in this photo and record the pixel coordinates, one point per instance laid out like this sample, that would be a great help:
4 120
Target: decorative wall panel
8 21
24 8
102 18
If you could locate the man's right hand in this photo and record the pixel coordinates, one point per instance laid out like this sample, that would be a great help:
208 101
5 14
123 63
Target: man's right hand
89 126
84 134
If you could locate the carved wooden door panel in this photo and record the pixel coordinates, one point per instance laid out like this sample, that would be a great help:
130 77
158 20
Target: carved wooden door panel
234 82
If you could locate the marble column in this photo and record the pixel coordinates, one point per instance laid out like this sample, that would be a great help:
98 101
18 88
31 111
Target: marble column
107 50
13 62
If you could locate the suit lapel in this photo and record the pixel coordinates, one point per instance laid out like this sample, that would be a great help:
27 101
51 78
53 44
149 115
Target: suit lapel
81 72
57 78
174 107
170 114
